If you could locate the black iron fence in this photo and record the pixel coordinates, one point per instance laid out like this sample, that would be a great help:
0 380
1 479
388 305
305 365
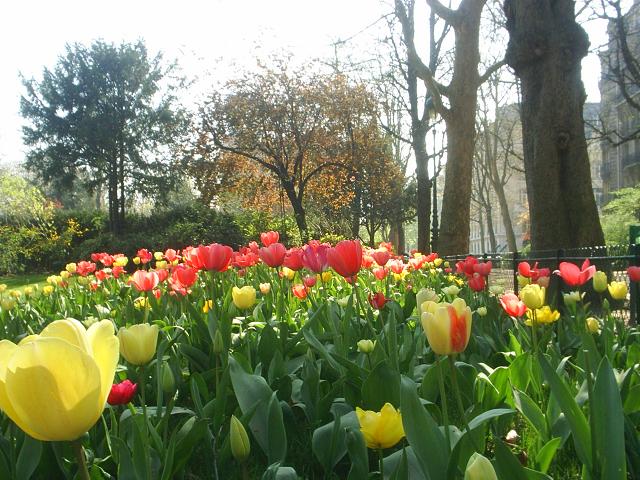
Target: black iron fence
613 259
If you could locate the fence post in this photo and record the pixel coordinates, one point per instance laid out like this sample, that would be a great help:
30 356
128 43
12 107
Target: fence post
515 271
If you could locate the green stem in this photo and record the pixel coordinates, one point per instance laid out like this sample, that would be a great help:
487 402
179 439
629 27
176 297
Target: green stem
147 306
534 326
592 415
245 471
381 463
83 472
145 417
443 397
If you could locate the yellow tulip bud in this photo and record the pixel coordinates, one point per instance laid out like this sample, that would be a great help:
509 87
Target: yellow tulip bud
265 288
343 302
208 305
28 291
288 273
136 260
326 276
65 275
593 325
3 287
618 290
47 290
240 446
542 315
479 468
83 280
437 262
161 264
533 296
424 295
121 262
158 256
15 293
366 346
572 298
381 429
482 311
54 385
71 267
447 325
138 343
7 304
600 281
244 298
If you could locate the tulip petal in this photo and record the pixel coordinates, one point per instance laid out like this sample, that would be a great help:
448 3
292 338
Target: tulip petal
70 330
7 349
106 352
69 377
390 429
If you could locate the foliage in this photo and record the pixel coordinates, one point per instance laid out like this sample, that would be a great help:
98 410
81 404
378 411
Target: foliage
619 214
104 117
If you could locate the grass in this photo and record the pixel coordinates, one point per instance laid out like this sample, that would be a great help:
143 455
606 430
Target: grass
18 282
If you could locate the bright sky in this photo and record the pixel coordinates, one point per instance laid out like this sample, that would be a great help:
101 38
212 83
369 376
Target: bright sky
197 33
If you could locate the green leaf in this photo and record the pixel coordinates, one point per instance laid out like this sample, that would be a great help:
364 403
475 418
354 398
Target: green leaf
28 458
187 438
276 434
547 452
507 466
574 416
329 441
422 433
357 454
608 423
531 411
488 415
381 386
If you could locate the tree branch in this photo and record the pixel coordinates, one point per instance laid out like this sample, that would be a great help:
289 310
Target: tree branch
491 70
451 16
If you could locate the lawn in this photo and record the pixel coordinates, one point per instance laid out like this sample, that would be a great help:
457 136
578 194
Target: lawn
18 282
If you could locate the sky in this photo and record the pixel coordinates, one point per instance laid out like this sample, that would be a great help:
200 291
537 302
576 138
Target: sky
212 37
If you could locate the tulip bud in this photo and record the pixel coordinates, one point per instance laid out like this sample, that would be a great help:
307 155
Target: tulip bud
288 273
136 260
168 379
161 264
138 343
600 281
451 290
522 281
265 288
28 291
65 275
343 302
437 262
496 289
240 446
365 346
617 290
158 256
479 468
3 287
7 304
533 296
423 295
47 290
572 298
244 298
326 276
218 343
482 311
593 325
71 267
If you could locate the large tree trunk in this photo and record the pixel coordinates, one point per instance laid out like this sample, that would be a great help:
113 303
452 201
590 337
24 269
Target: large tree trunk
461 129
545 48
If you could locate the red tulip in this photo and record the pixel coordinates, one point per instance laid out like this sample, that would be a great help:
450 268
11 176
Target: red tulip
299 291
377 300
575 276
190 256
513 305
244 259
144 281
269 238
85 268
293 259
483 269
381 256
634 273
388 246
184 274
144 255
477 282
117 271
254 247
467 265
534 273
273 255
215 257
380 272
396 266
346 258
170 254
102 274
309 281
122 393
367 260
314 256
162 274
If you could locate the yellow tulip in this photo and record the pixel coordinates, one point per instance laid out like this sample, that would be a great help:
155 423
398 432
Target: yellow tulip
138 343
3 287
141 302
599 281
543 315
158 256
423 295
326 276
288 273
54 386
65 275
593 325
240 446
437 262
208 305
244 298
366 346
447 325
71 267
533 296
451 290
265 288
479 468
161 264
47 290
7 304
136 260
381 429
121 262
572 298
618 290
482 311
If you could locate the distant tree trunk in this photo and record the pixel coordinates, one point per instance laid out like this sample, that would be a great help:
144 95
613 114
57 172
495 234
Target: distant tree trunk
483 245
506 218
493 244
114 224
356 209
545 48
423 211
298 209
435 227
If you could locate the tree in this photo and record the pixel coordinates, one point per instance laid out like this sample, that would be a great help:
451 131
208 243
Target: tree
105 115
459 114
620 213
545 48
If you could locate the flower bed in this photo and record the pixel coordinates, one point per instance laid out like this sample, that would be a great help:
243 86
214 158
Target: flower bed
315 362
